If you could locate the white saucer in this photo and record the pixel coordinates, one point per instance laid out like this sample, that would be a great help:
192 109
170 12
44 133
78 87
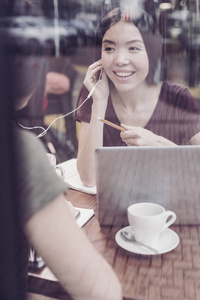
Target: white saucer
168 240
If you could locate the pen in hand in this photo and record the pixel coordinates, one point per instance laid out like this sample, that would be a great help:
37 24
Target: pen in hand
111 124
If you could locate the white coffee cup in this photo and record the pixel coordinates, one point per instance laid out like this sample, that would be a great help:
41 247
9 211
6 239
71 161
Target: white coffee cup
148 220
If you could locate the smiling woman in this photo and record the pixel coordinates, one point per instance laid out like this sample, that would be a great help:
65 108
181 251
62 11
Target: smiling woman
131 93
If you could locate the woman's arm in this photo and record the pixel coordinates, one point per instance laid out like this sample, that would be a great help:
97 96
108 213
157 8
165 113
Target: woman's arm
90 138
66 250
91 134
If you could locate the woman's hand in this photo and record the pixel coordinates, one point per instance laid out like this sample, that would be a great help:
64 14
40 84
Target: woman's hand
138 136
101 92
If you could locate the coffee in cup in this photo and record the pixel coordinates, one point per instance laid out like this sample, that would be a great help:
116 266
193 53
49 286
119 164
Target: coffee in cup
148 220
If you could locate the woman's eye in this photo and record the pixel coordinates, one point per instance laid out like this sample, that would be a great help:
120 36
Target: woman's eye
134 49
109 49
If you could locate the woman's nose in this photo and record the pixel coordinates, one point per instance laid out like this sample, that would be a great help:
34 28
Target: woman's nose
121 59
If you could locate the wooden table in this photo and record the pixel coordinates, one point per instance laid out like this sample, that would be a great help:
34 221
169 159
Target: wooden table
174 275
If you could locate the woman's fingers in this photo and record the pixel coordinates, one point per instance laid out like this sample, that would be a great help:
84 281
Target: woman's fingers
92 75
95 67
130 132
139 136
132 136
96 82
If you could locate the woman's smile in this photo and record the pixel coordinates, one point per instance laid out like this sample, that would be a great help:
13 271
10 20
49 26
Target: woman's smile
123 75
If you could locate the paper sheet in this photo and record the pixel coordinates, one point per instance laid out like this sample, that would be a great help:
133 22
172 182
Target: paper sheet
85 216
72 177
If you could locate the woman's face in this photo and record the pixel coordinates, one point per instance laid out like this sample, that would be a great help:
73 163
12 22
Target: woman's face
124 56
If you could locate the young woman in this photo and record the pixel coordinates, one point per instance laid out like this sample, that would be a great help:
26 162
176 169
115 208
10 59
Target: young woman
131 94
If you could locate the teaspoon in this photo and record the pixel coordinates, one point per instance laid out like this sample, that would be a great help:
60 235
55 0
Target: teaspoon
130 238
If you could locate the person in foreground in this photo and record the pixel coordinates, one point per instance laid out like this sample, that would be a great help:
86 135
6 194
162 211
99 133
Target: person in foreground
46 220
131 94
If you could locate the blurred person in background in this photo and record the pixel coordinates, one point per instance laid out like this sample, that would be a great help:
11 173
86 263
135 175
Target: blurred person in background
60 82
45 220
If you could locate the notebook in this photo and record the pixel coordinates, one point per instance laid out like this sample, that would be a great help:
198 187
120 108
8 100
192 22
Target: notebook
169 176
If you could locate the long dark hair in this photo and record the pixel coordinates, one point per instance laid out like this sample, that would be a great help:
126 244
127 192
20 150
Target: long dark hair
148 30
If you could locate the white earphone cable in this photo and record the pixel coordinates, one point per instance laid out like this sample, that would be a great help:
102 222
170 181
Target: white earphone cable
60 117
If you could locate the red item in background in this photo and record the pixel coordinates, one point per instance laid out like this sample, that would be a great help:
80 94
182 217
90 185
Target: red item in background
45 103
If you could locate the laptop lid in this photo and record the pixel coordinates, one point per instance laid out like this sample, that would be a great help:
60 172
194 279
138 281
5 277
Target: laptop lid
169 176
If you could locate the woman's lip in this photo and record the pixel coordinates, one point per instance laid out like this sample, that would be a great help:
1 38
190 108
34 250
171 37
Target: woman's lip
123 74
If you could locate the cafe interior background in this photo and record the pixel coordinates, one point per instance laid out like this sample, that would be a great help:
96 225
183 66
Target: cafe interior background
66 32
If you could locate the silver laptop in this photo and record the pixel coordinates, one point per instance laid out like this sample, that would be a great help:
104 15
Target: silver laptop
169 176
